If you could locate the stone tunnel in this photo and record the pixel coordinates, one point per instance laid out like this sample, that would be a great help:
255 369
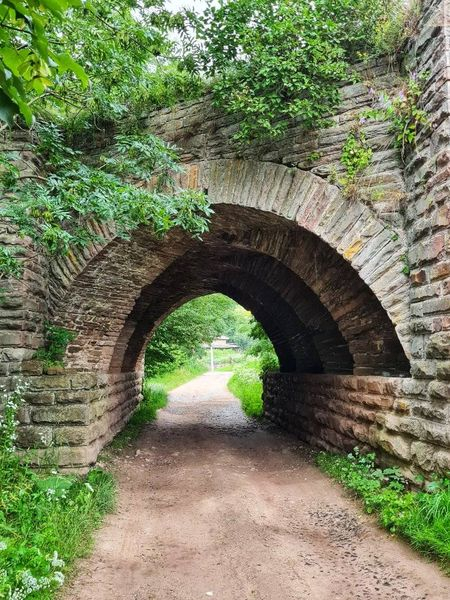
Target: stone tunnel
363 343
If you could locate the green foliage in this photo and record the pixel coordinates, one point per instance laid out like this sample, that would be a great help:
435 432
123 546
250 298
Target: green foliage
57 213
406 269
9 173
275 61
181 335
169 84
313 157
262 348
10 266
422 517
56 341
30 62
246 385
46 521
403 111
53 57
356 156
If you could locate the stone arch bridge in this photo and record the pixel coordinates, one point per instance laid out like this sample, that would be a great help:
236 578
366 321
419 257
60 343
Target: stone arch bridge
363 343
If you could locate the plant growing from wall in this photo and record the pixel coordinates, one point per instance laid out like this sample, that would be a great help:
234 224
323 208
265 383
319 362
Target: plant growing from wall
356 156
130 187
56 341
403 110
271 62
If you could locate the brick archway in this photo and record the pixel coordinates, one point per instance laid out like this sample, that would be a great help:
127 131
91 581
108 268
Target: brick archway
348 321
338 253
322 274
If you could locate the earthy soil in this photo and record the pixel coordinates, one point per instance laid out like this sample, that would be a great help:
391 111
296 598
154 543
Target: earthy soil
212 504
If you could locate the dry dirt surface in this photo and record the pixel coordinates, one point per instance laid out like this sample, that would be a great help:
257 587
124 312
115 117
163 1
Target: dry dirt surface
213 505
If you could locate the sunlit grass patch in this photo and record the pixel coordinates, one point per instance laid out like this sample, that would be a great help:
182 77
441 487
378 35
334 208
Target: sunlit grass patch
246 385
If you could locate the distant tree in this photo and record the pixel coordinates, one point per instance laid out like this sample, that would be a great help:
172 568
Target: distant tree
181 335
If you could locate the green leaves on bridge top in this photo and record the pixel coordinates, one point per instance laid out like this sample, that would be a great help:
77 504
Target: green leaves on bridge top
274 61
130 187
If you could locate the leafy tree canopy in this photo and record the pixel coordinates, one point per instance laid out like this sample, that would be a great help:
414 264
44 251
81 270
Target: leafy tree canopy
88 58
273 61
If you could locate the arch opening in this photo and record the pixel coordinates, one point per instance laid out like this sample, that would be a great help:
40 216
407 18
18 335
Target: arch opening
332 331
320 315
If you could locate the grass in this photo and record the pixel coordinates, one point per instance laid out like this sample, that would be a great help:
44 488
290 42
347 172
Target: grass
183 374
422 517
246 385
46 519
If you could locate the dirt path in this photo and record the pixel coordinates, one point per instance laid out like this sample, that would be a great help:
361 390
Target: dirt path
212 505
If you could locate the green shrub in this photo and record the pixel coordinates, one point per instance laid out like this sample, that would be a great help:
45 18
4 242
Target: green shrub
56 341
422 517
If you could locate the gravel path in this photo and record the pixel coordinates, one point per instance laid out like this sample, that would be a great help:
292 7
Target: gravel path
212 505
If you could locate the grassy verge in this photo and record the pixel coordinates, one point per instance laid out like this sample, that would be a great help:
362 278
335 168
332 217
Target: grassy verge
46 520
172 380
246 385
421 517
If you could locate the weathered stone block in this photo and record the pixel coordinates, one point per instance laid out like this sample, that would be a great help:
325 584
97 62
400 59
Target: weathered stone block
84 381
34 437
71 436
73 413
439 345
439 390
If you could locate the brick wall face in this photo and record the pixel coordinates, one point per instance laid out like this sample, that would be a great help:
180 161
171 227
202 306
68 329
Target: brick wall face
427 177
338 412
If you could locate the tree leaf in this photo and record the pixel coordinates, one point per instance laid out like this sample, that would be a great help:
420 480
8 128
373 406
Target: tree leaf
67 63
8 109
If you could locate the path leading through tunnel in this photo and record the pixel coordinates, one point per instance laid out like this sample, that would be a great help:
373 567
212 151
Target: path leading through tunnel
213 505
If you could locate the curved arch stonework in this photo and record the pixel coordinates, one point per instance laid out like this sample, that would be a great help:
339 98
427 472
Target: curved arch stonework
364 345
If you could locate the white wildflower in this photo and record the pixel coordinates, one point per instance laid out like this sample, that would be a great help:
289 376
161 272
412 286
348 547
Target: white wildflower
58 578
56 561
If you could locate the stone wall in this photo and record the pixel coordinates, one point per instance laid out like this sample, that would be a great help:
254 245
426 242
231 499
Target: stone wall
23 303
337 412
427 224
73 415
203 134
